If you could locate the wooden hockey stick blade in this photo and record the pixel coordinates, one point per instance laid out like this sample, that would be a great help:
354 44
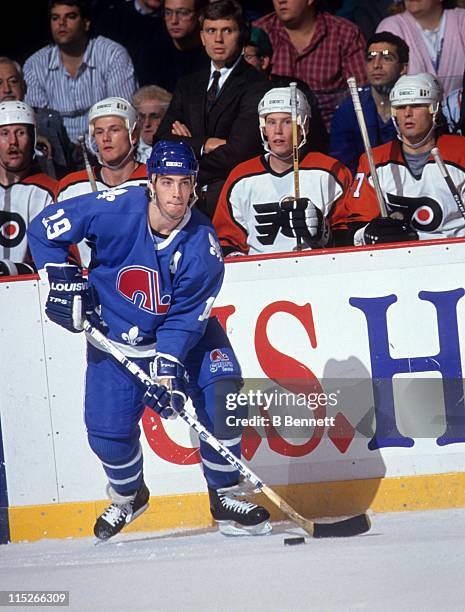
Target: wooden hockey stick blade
352 526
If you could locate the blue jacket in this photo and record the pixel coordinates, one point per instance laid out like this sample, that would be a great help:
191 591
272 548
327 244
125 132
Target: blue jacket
346 142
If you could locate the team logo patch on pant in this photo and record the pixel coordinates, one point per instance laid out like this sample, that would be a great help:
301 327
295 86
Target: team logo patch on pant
219 360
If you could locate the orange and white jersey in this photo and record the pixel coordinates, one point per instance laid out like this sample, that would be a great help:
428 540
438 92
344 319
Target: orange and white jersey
77 183
425 202
19 204
247 215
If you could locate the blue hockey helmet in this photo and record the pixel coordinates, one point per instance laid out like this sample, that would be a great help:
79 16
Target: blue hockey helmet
171 157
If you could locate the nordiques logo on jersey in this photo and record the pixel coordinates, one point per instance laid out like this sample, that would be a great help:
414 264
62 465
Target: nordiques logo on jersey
140 285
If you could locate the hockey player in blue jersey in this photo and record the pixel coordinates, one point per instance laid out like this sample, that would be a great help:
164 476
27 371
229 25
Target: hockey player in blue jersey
155 271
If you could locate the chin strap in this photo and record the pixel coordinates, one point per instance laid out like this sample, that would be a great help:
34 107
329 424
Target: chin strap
423 141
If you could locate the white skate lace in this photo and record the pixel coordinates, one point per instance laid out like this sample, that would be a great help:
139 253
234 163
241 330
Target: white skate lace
237 505
115 514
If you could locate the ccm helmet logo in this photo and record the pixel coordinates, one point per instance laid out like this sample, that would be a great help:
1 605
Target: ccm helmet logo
174 164
71 287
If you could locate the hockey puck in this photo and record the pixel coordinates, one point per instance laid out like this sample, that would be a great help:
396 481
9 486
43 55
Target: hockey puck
293 541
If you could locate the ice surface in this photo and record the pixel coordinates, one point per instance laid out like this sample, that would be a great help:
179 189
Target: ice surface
412 561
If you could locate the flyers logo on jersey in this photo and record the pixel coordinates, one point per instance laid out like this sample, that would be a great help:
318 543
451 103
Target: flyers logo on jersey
12 229
140 285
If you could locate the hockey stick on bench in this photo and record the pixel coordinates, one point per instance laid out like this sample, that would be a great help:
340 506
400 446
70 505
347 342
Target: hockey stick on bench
352 83
348 527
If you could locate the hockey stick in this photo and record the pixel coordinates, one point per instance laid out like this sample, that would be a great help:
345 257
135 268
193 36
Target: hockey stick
295 151
447 177
90 174
348 527
352 83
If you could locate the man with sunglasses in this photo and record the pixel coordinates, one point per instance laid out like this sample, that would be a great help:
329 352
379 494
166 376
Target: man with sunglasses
387 58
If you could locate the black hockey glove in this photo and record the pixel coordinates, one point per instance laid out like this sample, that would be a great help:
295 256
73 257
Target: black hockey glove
67 299
304 220
386 229
171 380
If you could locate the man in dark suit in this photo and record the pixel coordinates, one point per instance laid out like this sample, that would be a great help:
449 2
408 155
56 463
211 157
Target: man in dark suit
215 110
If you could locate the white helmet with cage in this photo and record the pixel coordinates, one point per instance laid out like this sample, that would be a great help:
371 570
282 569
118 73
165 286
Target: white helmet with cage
113 107
410 89
278 100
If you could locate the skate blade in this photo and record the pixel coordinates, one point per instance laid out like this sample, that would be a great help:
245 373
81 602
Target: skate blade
231 528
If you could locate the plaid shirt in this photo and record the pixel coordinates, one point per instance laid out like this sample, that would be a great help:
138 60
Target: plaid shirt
336 52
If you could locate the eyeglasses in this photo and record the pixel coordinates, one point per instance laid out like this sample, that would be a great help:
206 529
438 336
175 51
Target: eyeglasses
384 54
180 13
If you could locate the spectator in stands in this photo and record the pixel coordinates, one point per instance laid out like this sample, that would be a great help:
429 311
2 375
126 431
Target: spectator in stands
258 50
435 33
181 49
114 134
386 60
316 47
77 70
53 148
258 211
150 102
215 110
419 202
454 110
24 190
136 25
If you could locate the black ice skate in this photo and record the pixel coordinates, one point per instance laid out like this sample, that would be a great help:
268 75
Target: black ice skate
236 516
122 511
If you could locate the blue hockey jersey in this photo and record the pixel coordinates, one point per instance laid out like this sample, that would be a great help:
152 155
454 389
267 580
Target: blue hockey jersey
149 291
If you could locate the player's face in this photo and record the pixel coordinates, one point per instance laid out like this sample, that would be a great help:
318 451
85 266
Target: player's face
278 131
15 147
180 18
67 25
422 8
11 84
382 64
414 121
112 139
291 12
221 39
172 195
150 114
